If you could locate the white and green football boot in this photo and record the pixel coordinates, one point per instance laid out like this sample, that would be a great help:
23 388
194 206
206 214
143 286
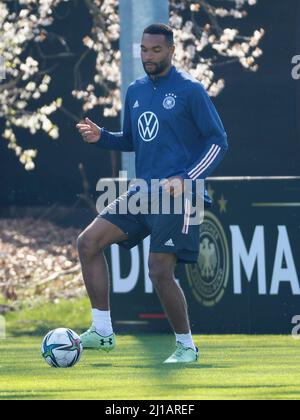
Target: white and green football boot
183 355
94 341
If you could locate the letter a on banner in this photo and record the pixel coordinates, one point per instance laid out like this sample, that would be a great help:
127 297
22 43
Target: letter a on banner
288 274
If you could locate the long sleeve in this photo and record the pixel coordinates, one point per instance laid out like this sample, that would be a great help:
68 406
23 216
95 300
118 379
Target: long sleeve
119 141
211 132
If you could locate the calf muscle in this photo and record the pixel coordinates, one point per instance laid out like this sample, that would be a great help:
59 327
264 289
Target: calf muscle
91 244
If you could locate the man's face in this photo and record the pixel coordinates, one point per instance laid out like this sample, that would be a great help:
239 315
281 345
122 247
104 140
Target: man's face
156 54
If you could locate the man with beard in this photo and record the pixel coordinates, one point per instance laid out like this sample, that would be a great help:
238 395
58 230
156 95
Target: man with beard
177 135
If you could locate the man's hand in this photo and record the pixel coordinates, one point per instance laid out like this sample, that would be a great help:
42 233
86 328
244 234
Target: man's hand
174 186
90 132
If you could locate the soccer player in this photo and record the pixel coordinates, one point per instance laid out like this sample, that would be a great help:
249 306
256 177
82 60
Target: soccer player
176 133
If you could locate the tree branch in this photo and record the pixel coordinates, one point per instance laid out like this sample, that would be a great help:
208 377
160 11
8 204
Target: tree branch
11 84
209 10
95 12
70 114
77 76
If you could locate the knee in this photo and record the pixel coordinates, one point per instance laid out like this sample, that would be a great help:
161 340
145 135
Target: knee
160 273
88 247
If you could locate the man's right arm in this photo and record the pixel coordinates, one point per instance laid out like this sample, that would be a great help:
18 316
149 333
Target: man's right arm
102 138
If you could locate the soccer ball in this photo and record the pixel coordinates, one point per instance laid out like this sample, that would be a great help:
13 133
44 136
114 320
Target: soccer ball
62 348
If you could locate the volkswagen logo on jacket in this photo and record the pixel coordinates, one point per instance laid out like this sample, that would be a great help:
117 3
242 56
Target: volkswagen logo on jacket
148 126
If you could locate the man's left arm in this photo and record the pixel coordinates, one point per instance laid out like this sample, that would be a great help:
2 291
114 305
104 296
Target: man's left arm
211 131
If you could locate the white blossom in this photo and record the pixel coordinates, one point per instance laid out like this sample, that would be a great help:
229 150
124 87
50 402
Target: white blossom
18 30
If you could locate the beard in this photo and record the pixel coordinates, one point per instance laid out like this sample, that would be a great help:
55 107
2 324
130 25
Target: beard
156 68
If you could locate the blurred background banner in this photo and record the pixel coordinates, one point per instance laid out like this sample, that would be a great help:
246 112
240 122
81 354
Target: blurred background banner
247 276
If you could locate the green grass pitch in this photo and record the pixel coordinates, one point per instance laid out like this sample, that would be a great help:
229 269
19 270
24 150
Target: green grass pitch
231 367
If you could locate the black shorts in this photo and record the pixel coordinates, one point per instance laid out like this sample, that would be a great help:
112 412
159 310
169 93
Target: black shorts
170 233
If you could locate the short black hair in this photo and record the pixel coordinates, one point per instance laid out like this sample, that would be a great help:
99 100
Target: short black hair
161 29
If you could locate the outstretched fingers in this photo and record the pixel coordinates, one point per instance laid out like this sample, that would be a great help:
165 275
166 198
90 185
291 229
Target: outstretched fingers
90 123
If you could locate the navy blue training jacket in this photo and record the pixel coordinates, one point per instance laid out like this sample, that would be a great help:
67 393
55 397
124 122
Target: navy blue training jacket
172 126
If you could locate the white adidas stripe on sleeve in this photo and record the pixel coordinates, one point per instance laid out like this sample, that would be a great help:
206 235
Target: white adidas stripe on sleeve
205 163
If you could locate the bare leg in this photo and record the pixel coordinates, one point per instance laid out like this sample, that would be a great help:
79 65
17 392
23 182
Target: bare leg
91 245
162 267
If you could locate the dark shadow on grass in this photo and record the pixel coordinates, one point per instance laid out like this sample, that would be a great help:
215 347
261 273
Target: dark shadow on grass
285 393
177 366
223 387
31 395
102 365
182 388
40 331
24 397
156 350
49 394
